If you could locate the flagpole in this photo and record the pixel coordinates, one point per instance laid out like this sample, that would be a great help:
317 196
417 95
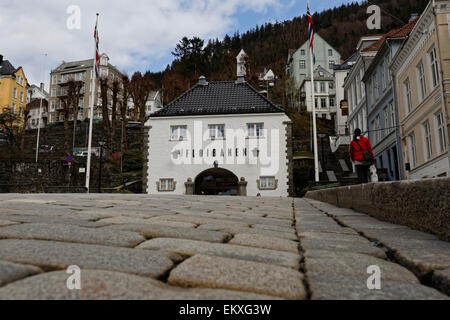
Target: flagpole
40 112
91 113
313 101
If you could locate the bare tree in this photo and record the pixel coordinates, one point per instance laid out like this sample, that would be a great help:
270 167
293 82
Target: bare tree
10 125
123 108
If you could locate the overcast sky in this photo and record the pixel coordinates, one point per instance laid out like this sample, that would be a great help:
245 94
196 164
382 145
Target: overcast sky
138 35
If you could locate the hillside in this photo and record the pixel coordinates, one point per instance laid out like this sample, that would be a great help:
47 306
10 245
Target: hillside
267 45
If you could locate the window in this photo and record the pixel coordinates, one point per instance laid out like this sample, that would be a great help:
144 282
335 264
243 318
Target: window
434 67
363 88
331 85
331 64
54 92
20 111
15 93
316 104
13 108
378 129
322 87
302 52
370 91
323 103
324 116
302 64
53 105
21 97
178 132
407 88
375 87
166 185
392 114
315 86
331 102
217 131
358 88
383 78
421 81
427 147
412 150
267 183
386 121
255 129
440 130
330 52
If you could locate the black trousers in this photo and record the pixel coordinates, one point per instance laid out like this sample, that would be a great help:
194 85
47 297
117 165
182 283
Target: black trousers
363 173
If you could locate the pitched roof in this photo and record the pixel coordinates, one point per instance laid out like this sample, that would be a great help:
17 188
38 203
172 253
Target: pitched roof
6 68
223 97
392 34
347 64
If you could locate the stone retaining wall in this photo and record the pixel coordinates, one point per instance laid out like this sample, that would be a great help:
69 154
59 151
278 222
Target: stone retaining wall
420 204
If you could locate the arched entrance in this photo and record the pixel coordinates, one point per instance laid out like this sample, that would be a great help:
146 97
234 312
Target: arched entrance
217 181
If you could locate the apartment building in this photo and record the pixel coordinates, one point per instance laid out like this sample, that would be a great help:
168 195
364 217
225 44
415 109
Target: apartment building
79 71
380 100
421 70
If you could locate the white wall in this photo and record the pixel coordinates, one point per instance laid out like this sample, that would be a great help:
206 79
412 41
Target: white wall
161 165
340 121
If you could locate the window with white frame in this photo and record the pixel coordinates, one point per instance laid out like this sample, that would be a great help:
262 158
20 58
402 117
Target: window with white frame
378 129
166 185
323 103
178 132
407 90
15 93
216 131
331 102
53 92
427 144
322 87
375 87
386 121
361 83
267 183
330 52
440 131
434 67
358 88
13 108
302 52
412 150
383 79
315 86
373 133
302 64
421 81
331 64
21 97
255 130
392 116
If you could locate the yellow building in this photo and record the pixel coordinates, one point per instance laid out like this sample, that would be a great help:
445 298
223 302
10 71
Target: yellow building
13 88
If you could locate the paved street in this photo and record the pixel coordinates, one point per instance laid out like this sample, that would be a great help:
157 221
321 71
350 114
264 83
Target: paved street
174 247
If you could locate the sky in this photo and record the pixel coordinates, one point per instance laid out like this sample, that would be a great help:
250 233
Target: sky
137 35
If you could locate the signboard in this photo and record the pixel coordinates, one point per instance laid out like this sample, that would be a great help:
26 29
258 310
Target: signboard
69 159
82 170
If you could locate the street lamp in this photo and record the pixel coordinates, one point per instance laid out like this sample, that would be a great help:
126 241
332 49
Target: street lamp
101 144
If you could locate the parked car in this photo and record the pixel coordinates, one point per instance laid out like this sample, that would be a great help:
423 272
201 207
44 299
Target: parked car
133 126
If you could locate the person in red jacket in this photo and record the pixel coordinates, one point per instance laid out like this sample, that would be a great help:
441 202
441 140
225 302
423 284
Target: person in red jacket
358 145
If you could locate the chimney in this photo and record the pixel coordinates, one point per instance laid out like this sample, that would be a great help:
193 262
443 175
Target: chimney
42 86
1 59
413 16
202 81
240 79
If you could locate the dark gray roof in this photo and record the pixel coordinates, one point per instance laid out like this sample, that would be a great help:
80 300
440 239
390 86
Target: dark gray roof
347 64
224 97
6 68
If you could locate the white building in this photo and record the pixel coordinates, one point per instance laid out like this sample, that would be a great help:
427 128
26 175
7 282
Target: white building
354 87
35 108
219 138
154 102
35 92
325 94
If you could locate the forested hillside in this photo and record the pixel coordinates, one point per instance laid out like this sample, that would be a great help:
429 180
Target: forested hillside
267 46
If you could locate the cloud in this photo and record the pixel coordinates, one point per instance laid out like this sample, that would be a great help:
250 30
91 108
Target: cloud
133 33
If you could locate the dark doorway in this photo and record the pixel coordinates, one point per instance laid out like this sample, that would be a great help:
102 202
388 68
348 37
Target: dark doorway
217 181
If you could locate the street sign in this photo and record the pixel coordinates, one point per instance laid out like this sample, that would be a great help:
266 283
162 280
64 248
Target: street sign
69 159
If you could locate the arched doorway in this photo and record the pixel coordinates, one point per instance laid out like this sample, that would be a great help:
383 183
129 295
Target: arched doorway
217 181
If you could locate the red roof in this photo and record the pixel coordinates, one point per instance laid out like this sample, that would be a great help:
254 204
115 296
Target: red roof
392 34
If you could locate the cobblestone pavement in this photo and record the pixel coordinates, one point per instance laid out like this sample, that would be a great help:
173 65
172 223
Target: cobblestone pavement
152 247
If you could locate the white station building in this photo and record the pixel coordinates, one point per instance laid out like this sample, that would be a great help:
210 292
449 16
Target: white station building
219 138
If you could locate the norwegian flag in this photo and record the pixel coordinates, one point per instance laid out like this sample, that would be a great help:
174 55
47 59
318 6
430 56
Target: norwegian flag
310 31
97 55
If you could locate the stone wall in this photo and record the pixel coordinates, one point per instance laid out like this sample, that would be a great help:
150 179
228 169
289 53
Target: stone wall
420 204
